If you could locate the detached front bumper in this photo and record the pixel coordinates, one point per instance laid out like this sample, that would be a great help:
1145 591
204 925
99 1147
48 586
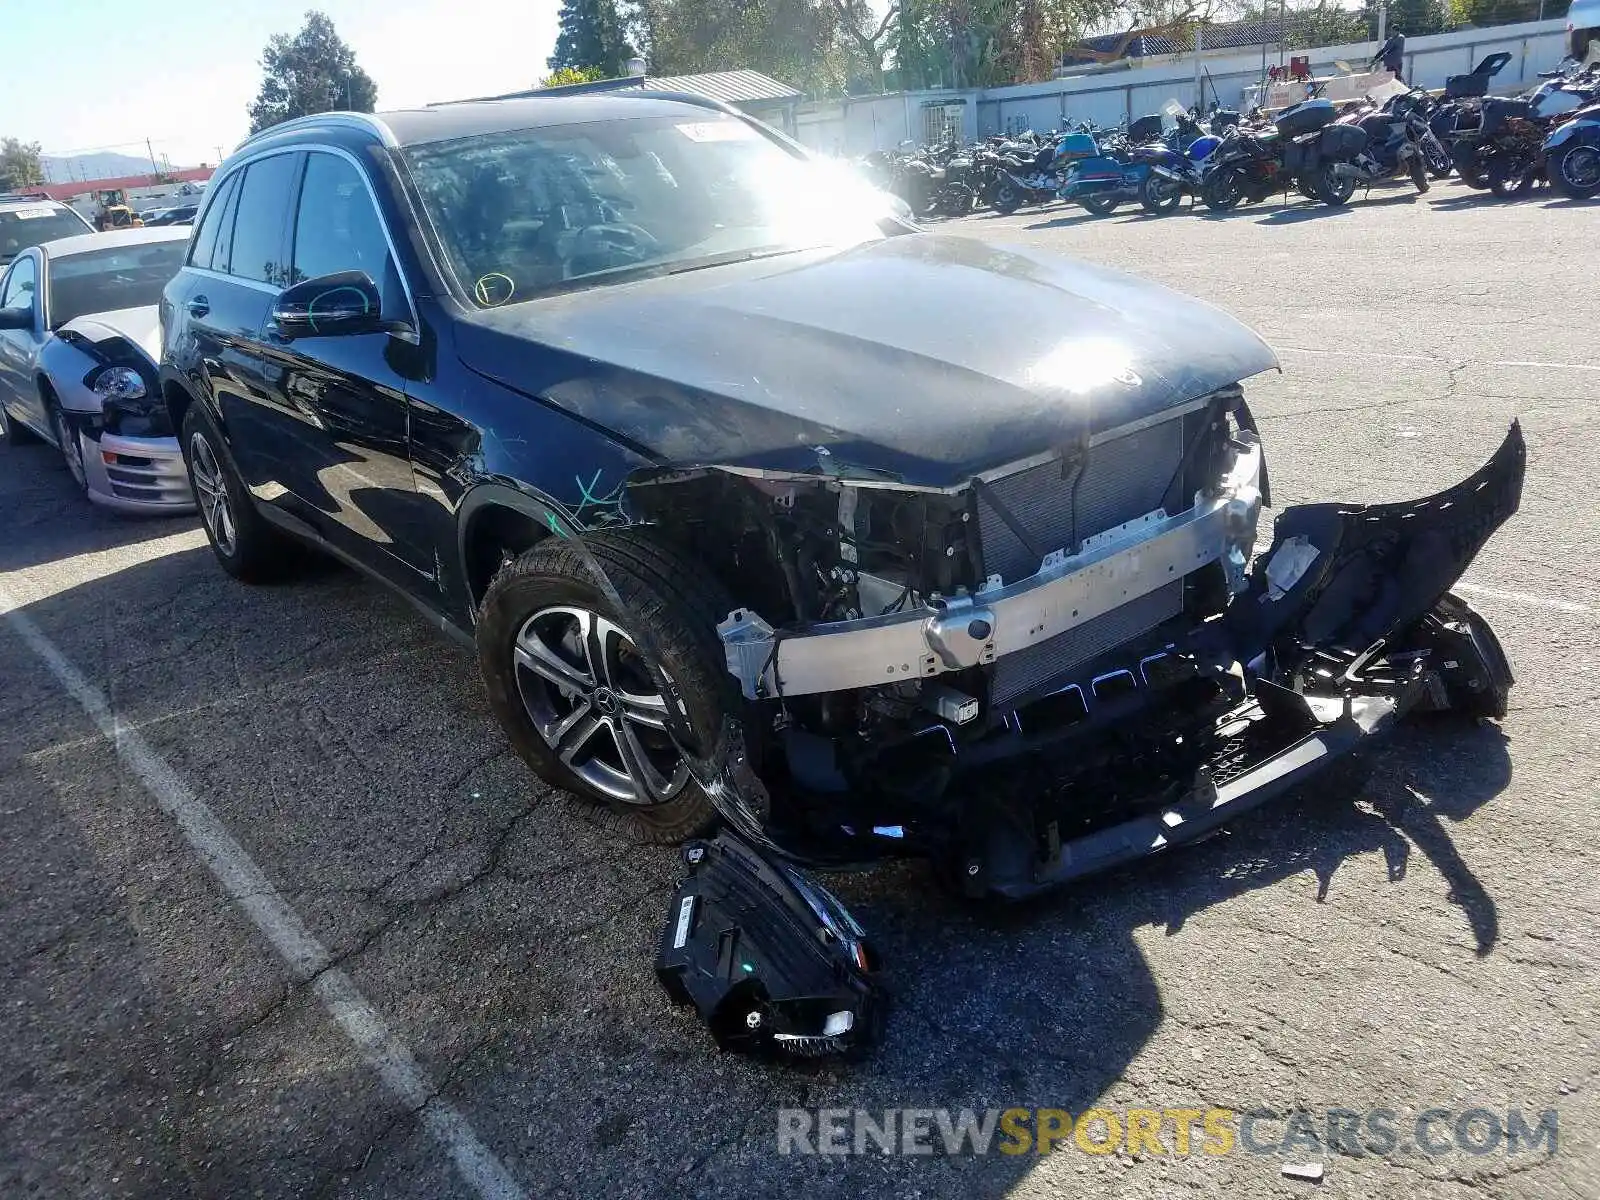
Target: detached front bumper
137 475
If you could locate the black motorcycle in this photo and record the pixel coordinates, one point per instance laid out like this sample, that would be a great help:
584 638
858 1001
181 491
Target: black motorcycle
1382 143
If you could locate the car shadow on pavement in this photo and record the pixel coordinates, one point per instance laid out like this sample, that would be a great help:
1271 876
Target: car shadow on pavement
35 493
507 937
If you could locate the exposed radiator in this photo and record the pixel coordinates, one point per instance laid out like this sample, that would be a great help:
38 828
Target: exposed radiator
1027 669
1123 479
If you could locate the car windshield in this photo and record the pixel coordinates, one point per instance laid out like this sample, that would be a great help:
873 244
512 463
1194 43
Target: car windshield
106 280
24 227
540 210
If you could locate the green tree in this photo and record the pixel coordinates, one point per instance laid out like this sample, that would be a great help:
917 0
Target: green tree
313 71
591 39
1414 18
563 76
19 164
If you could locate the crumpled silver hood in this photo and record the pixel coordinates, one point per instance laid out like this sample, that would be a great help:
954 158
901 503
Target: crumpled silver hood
141 326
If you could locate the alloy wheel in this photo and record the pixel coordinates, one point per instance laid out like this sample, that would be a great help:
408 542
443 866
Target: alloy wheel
593 700
211 489
1580 169
71 447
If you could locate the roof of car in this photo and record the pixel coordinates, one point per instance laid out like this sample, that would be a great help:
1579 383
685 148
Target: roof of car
9 202
82 243
443 122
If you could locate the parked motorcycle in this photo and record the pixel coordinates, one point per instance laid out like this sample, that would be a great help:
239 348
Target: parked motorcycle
1391 147
1562 94
1104 181
1250 163
1572 154
1179 169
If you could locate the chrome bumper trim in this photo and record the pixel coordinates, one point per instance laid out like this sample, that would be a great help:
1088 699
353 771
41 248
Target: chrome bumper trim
1112 569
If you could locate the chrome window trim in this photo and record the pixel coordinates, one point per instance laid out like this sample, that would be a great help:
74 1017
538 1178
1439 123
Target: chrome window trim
372 195
366 122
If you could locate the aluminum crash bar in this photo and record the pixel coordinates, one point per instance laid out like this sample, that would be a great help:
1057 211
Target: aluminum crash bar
1112 569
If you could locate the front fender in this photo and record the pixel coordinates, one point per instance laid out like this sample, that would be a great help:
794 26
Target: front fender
1582 132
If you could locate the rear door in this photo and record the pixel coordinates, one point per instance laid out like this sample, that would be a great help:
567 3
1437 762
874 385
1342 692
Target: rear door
338 403
236 272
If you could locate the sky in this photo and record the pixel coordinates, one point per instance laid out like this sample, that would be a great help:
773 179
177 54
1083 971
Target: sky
183 75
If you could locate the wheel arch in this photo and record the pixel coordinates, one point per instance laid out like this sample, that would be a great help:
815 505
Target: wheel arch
496 521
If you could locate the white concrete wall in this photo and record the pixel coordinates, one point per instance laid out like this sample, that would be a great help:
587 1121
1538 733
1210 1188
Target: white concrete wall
862 124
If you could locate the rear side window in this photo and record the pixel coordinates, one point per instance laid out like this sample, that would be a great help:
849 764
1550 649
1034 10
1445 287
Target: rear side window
220 212
259 227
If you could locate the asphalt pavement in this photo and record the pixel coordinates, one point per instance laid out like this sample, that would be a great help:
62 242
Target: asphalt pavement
1421 941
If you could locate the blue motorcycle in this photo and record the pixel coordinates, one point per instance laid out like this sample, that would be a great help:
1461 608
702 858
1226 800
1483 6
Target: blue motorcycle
1572 154
1115 173
1175 173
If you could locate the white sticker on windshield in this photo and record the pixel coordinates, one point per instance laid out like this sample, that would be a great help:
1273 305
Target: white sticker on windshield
28 214
717 131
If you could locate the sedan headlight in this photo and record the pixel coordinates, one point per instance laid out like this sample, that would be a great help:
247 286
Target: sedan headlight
119 383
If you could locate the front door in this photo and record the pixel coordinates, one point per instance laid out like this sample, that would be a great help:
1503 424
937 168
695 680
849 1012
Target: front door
19 347
342 399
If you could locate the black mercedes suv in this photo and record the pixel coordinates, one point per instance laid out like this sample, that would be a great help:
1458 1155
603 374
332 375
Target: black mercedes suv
761 503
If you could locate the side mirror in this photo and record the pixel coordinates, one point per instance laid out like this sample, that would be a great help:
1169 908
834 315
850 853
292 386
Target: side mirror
338 305
16 318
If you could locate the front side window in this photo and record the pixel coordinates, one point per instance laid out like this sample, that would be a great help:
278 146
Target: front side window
258 228
20 284
217 216
337 228
106 280
539 210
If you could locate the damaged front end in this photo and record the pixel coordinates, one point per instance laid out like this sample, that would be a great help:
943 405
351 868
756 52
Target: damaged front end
1078 662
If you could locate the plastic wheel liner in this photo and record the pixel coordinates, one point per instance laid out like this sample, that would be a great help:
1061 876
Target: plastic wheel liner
1345 625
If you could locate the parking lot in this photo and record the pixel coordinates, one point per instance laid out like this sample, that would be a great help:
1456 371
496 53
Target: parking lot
1424 942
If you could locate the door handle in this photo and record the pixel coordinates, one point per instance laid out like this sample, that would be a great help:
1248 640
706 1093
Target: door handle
199 306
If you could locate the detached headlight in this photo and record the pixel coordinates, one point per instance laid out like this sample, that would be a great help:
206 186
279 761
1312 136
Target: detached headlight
119 383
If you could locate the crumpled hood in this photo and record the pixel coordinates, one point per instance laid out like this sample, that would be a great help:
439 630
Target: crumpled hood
140 326
925 357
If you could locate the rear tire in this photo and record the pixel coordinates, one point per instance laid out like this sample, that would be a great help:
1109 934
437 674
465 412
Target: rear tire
246 545
1007 199
1332 188
1512 175
1099 205
1158 196
1575 171
585 734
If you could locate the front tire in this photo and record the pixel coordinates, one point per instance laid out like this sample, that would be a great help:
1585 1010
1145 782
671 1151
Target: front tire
571 688
69 443
1575 171
246 546
1100 206
1223 190
1419 174
1007 199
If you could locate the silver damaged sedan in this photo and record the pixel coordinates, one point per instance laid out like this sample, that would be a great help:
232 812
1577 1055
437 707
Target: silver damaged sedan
79 342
